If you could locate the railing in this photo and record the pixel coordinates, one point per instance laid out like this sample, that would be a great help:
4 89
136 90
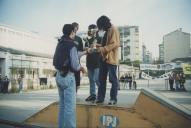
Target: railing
141 83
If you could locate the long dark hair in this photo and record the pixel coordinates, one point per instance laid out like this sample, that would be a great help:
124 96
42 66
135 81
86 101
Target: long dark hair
104 23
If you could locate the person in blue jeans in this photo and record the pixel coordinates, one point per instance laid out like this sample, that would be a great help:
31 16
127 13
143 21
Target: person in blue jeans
92 61
110 60
79 45
66 62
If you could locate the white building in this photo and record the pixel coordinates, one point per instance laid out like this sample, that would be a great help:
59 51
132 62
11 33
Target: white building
176 45
25 40
129 37
149 59
36 68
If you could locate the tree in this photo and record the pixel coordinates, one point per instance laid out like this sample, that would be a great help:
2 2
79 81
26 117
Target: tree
136 63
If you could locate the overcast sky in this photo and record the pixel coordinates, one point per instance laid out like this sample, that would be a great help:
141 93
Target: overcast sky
47 17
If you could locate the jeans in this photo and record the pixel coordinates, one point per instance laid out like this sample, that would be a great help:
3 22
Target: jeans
20 86
67 96
93 75
177 84
77 79
104 70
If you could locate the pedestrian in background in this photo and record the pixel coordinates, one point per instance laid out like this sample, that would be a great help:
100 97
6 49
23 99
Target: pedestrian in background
130 81
1 86
177 81
20 82
5 84
182 81
171 82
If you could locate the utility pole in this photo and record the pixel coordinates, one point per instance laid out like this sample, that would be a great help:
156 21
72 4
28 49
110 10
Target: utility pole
123 42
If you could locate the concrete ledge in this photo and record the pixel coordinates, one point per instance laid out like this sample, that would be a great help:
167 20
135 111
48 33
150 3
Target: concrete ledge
167 103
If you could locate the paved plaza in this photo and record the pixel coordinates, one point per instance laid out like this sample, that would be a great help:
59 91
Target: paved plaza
19 106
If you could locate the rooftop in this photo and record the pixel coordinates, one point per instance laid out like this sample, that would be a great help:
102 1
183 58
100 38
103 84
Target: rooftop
21 52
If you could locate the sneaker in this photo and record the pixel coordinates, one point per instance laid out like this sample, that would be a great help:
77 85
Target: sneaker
99 102
91 98
112 102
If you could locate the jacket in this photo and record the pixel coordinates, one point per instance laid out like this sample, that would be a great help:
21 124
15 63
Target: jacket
110 51
62 53
92 59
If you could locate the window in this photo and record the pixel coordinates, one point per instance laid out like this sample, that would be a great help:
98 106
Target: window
137 29
127 33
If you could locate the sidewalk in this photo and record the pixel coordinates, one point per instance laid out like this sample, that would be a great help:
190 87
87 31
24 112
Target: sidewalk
151 84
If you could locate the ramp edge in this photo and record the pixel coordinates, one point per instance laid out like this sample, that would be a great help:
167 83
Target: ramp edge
167 102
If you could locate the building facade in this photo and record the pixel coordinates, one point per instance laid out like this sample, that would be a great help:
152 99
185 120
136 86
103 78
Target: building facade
26 40
148 58
144 54
129 39
161 52
35 68
176 45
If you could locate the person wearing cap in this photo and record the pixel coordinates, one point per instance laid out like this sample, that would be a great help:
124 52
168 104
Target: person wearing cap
66 62
92 61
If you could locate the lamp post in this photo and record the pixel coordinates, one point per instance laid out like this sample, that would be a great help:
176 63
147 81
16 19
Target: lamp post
123 43
22 72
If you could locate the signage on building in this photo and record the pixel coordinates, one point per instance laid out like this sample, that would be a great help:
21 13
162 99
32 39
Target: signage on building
167 66
162 77
186 68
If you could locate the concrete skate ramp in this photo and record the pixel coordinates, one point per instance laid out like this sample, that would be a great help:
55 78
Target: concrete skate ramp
151 110
163 112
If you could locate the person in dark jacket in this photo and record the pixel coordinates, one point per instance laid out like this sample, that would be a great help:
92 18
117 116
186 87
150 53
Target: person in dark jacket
5 84
182 81
79 46
66 62
92 61
171 82
1 80
130 81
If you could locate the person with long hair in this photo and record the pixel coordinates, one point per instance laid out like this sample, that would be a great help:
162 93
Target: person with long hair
110 60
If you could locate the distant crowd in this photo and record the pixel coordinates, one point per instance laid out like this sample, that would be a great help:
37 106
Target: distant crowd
128 79
179 80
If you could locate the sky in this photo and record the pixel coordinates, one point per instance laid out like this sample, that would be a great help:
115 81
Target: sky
155 18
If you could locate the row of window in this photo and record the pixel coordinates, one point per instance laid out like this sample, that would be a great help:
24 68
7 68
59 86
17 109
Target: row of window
24 63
